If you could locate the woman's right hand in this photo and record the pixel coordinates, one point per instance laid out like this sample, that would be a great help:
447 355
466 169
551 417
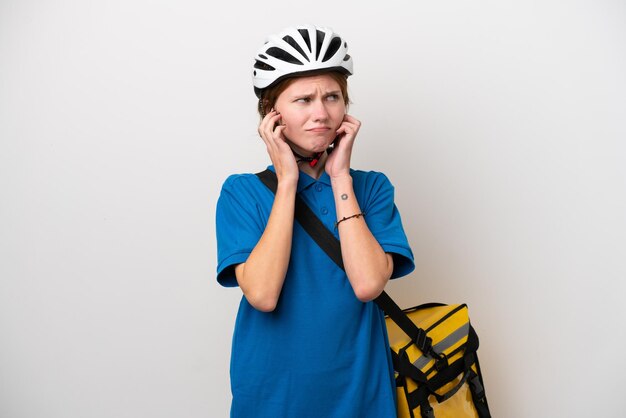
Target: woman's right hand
271 131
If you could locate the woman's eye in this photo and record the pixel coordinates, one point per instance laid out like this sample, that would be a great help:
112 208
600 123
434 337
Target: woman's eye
333 97
303 100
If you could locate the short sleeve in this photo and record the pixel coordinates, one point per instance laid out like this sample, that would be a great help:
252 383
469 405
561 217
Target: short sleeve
385 223
238 227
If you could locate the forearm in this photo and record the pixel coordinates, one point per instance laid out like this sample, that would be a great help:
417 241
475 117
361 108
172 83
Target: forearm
262 276
367 266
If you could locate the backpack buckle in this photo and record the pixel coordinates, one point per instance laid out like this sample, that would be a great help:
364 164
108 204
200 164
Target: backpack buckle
441 361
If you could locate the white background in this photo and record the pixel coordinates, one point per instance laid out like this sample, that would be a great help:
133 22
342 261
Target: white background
500 123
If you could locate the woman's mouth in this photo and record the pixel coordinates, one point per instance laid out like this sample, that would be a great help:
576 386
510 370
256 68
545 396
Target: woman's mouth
319 129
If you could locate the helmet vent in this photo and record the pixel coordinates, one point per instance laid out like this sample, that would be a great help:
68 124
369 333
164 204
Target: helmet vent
335 43
295 45
282 55
305 36
346 58
263 66
320 39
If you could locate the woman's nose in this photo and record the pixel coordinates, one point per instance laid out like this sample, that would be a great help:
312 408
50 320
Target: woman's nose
319 110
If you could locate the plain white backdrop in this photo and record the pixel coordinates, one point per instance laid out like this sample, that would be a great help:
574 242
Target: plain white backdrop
500 123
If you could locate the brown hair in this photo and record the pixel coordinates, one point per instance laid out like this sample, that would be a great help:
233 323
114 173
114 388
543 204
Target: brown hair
269 96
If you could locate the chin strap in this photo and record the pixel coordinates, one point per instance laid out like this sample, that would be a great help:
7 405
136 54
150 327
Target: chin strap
311 160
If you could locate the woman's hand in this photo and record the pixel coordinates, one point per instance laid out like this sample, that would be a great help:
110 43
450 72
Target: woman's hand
279 151
338 162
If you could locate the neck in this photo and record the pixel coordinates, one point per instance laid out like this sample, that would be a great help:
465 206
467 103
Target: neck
315 171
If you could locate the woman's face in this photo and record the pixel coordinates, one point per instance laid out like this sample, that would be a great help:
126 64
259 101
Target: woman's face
312 108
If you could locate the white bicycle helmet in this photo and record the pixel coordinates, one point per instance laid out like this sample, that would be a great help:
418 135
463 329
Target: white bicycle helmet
297 51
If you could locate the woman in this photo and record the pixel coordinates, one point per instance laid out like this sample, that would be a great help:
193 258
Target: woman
308 341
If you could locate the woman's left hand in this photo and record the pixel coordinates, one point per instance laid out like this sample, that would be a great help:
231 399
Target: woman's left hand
338 162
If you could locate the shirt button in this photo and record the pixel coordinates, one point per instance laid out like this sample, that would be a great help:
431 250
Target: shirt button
324 211
319 187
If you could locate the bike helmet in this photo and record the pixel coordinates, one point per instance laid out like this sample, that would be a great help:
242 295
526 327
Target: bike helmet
298 51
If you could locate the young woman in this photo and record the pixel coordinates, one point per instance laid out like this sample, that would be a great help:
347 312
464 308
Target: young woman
308 341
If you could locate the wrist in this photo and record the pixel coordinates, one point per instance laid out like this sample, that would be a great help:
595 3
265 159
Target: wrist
287 185
341 179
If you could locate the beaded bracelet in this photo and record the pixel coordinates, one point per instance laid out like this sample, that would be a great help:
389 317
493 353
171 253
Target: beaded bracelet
345 218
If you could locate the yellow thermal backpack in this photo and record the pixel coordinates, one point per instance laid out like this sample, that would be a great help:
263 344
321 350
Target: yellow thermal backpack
433 347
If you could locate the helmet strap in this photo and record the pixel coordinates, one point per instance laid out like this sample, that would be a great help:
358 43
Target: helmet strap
311 160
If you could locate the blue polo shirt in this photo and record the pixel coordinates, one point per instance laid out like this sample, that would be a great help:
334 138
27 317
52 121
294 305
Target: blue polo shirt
321 353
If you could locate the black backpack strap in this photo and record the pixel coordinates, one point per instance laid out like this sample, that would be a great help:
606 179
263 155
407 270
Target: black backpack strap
417 335
268 177
331 246
307 219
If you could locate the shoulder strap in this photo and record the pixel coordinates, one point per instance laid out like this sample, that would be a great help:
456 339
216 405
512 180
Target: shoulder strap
331 246
311 223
